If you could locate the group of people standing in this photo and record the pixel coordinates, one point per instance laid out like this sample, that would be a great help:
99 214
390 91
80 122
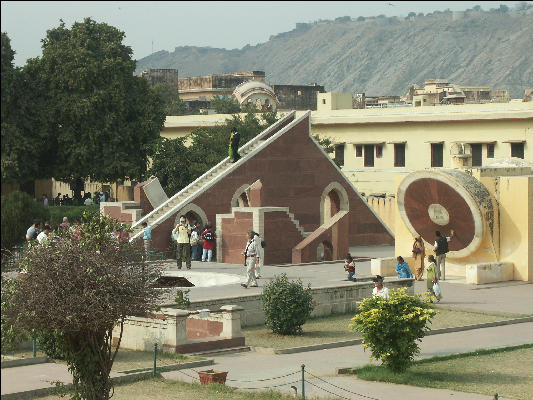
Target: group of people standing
189 241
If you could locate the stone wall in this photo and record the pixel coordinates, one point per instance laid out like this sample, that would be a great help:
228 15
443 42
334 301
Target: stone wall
168 77
219 81
328 300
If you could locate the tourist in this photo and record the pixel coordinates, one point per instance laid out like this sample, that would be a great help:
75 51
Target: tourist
208 236
441 248
182 231
43 236
88 200
402 268
419 253
379 289
349 266
250 254
102 197
259 243
195 244
233 150
45 200
57 201
431 277
147 237
65 224
33 231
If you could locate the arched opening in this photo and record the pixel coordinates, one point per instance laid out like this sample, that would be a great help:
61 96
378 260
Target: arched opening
334 199
324 251
193 213
240 197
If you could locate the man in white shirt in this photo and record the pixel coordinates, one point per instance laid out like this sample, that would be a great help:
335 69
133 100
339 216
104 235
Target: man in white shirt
43 236
379 289
182 232
250 256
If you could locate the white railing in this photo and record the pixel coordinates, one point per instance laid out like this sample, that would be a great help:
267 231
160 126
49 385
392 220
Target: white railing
242 149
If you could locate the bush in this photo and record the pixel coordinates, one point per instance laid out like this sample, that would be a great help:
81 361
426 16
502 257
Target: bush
51 344
11 335
18 212
287 305
391 328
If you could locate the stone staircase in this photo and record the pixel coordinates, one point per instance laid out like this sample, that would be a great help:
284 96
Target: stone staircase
193 190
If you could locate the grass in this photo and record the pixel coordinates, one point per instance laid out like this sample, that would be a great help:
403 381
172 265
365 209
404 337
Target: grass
506 371
334 328
162 389
126 360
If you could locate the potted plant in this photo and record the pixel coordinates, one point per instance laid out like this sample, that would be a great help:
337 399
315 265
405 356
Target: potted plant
212 376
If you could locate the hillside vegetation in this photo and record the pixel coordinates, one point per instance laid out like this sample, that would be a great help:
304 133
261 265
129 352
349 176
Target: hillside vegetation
380 55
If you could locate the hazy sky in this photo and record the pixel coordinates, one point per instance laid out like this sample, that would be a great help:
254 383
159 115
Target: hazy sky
217 24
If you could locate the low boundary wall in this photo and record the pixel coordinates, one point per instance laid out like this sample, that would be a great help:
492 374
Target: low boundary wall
327 300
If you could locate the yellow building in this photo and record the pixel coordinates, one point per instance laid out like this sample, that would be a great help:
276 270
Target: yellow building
376 145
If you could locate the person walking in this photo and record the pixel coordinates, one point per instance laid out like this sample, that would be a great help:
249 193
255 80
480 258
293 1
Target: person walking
441 248
402 268
233 150
419 254
432 278
182 231
250 255
349 266
260 255
147 238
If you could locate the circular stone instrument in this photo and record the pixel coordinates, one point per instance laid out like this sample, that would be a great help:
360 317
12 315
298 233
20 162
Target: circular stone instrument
442 200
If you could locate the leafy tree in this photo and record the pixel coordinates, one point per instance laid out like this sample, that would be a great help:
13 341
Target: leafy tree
173 105
225 105
177 164
287 305
100 120
80 289
411 14
391 327
503 8
19 210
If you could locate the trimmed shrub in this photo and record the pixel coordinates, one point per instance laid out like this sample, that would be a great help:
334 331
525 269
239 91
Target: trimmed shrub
18 212
287 305
391 327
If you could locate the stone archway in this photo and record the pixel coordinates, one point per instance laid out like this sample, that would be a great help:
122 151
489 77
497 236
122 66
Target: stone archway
192 212
324 251
240 197
334 199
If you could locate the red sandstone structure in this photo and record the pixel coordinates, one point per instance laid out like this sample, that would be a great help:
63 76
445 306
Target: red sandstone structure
285 187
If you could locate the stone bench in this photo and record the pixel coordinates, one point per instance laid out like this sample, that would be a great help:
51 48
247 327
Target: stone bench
489 272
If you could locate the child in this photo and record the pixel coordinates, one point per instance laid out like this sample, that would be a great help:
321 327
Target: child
349 266
431 277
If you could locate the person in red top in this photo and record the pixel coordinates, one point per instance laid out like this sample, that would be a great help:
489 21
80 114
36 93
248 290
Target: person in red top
208 236
349 266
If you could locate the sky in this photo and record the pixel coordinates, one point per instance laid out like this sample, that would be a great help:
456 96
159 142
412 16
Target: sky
164 25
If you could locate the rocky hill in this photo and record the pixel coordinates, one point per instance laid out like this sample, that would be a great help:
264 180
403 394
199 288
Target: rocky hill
380 55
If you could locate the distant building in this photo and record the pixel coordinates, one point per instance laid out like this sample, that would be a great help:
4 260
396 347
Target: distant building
203 88
167 77
441 91
297 97
256 94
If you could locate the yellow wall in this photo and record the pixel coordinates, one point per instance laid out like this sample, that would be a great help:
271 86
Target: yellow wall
516 224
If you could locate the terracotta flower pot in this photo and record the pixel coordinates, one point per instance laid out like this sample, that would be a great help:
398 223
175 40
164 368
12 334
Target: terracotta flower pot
212 376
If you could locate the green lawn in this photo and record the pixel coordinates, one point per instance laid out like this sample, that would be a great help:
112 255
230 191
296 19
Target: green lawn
335 328
508 372
162 389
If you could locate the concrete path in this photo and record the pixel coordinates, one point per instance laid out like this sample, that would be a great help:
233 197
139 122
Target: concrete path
254 367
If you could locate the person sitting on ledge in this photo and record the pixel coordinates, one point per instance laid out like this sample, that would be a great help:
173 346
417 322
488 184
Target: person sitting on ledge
402 268
379 289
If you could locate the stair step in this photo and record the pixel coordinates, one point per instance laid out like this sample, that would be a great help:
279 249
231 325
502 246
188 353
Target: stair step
239 349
